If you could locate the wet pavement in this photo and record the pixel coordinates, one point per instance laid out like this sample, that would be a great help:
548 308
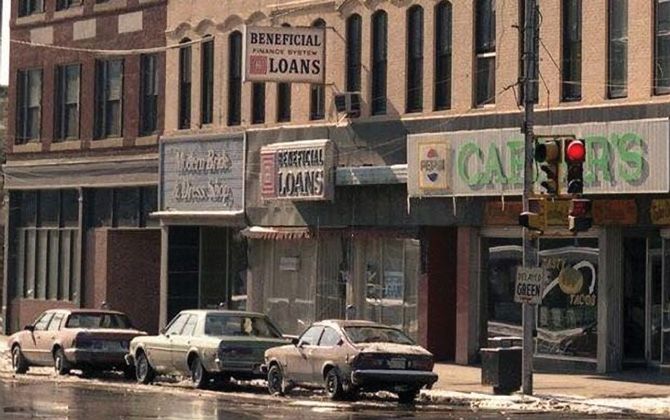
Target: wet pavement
46 399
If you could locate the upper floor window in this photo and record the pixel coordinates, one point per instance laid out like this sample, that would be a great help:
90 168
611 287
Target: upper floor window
258 103
485 50
354 35
67 102
662 48
379 62
317 102
185 85
30 7
207 81
108 98
414 96
571 85
617 60
66 4
284 97
235 78
29 105
443 32
148 94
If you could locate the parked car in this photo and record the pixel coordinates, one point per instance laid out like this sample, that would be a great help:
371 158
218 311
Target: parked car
344 357
74 339
206 345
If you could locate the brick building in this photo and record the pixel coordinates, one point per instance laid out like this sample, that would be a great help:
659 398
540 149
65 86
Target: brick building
432 253
86 111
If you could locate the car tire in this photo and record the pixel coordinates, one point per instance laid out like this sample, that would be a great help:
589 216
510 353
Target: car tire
19 362
61 365
408 397
276 381
199 375
144 373
333 385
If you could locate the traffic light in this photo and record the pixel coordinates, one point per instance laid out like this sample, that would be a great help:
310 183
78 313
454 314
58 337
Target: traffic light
580 218
548 156
535 219
575 155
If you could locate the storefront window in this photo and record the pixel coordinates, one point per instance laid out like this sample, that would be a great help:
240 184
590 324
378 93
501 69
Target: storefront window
567 318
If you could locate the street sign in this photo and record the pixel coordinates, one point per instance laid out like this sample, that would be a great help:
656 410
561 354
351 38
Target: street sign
528 286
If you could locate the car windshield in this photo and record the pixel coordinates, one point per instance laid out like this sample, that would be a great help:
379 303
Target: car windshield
98 320
367 334
239 325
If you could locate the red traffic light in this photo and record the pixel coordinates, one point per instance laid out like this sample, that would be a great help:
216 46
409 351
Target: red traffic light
575 151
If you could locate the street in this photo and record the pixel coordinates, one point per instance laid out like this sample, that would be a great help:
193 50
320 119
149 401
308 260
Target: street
45 396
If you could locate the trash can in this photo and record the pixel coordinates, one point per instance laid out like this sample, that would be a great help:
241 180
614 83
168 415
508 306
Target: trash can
501 368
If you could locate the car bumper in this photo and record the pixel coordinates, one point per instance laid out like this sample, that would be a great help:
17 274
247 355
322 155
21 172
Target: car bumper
95 357
251 367
391 378
130 360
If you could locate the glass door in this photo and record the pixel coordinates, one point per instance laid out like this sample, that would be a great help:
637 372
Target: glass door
654 300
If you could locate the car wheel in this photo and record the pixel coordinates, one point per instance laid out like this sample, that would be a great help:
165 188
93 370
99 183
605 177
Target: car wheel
144 373
333 385
407 397
276 381
61 365
199 375
19 362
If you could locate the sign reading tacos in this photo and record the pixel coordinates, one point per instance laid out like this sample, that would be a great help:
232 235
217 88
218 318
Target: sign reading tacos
301 170
284 54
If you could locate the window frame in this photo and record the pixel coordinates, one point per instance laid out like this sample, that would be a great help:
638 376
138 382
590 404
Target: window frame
61 105
149 94
185 85
485 53
615 91
103 102
207 54
30 7
414 43
258 103
353 54
658 36
234 78
571 68
317 91
442 76
379 60
24 118
66 4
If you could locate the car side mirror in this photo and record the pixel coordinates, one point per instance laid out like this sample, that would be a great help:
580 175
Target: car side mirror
340 342
163 330
295 341
30 328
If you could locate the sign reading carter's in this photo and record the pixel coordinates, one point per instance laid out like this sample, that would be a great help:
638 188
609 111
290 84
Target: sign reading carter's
202 174
299 170
284 54
621 157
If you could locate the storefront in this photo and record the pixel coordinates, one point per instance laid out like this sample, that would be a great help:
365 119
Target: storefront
606 295
201 211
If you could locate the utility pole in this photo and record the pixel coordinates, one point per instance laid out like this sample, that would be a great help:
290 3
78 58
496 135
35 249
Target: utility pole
530 245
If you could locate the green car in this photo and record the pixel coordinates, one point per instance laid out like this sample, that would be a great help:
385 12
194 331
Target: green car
206 345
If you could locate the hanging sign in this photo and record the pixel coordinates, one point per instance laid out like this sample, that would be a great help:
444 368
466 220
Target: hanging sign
528 286
284 54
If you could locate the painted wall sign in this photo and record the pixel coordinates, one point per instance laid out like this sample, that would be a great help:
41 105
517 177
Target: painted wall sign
433 167
622 157
285 54
300 170
202 174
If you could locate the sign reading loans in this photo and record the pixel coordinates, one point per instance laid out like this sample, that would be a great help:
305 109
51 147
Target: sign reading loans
284 54
528 286
202 174
299 170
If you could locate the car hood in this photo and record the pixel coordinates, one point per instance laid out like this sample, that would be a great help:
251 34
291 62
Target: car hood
392 348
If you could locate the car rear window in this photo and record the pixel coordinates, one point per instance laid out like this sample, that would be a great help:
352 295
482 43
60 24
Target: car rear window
93 320
239 325
366 334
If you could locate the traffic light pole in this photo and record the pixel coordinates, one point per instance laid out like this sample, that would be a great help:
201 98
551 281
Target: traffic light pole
530 245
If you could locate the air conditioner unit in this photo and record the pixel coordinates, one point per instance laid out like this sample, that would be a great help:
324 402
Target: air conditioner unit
349 103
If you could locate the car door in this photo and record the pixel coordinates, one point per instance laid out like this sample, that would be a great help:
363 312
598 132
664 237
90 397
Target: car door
41 337
180 343
159 348
301 363
327 351
29 346
51 335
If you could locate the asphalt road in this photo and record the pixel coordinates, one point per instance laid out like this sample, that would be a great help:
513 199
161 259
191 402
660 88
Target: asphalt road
46 398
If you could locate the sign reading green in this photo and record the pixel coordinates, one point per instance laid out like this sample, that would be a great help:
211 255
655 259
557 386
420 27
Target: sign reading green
621 157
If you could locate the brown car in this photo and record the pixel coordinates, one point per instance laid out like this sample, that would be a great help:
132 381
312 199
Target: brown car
74 339
346 356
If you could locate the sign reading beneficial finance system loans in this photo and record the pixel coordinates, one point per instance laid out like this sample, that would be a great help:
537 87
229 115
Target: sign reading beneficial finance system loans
284 54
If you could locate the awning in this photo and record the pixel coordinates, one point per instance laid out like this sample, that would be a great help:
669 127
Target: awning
205 218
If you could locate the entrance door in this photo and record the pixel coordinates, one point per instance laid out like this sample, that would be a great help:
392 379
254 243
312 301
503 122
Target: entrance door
634 308
665 305
654 300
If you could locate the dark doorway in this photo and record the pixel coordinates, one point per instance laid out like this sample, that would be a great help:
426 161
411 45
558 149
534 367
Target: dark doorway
634 310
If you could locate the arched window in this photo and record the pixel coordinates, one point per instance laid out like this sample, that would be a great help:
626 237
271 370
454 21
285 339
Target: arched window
443 31
414 94
207 80
379 62
284 97
485 51
317 97
235 78
185 85
354 35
